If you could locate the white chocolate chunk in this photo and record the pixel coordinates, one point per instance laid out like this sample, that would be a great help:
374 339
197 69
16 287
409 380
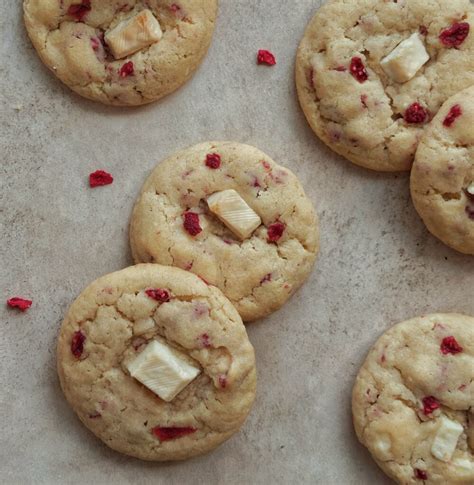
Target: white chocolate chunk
133 34
234 212
464 465
143 326
162 370
406 59
446 439
470 189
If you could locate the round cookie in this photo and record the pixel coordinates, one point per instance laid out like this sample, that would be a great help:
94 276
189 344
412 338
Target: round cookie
413 400
442 179
121 318
104 52
257 272
372 118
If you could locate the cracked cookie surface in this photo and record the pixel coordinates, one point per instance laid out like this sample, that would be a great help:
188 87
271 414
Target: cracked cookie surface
113 320
350 101
69 38
419 374
442 179
172 224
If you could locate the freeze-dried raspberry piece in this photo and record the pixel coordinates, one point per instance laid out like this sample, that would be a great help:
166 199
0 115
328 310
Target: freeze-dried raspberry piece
223 381
358 70
415 114
100 178
158 294
20 303
205 340
275 231
423 30
265 57
430 404
167 434
454 113
455 35
213 160
421 474
77 344
191 223
450 345
175 8
79 11
266 278
127 69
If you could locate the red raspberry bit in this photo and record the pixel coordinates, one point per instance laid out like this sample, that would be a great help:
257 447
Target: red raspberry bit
20 303
100 178
415 114
175 8
167 434
223 381
95 43
158 294
205 340
79 11
191 223
266 279
450 345
423 30
127 69
275 231
77 344
430 404
455 35
266 57
454 113
421 474
213 161
470 212
358 70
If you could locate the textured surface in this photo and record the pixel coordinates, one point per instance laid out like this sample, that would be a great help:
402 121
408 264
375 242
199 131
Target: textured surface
258 276
443 173
364 117
378 264
410 363
197 321
73 47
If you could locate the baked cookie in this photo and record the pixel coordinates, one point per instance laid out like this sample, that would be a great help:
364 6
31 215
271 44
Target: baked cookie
156 363
121 52
442 179
413 400
372 73
230 214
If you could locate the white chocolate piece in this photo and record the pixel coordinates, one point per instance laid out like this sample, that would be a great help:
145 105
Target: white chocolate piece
143 326
234 212
162 370
470 189
133 34
446 439
406 59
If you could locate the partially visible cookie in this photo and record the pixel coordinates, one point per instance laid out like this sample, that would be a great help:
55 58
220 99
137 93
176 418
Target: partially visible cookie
230 214
413 400
442 179
372 73
121 53
156 363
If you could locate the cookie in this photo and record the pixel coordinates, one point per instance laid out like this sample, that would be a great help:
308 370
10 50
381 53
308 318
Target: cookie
121 53
371 74
413 400
442 179
230 214
156 363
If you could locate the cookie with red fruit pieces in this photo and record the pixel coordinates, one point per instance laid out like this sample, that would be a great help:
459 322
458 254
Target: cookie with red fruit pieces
442 178
156 363
121 53
412 401
230 214
371 74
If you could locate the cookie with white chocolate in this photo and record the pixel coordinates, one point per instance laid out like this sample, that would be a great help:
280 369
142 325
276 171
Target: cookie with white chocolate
371 74
121 53
230 214
442 178
413 400
156 363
